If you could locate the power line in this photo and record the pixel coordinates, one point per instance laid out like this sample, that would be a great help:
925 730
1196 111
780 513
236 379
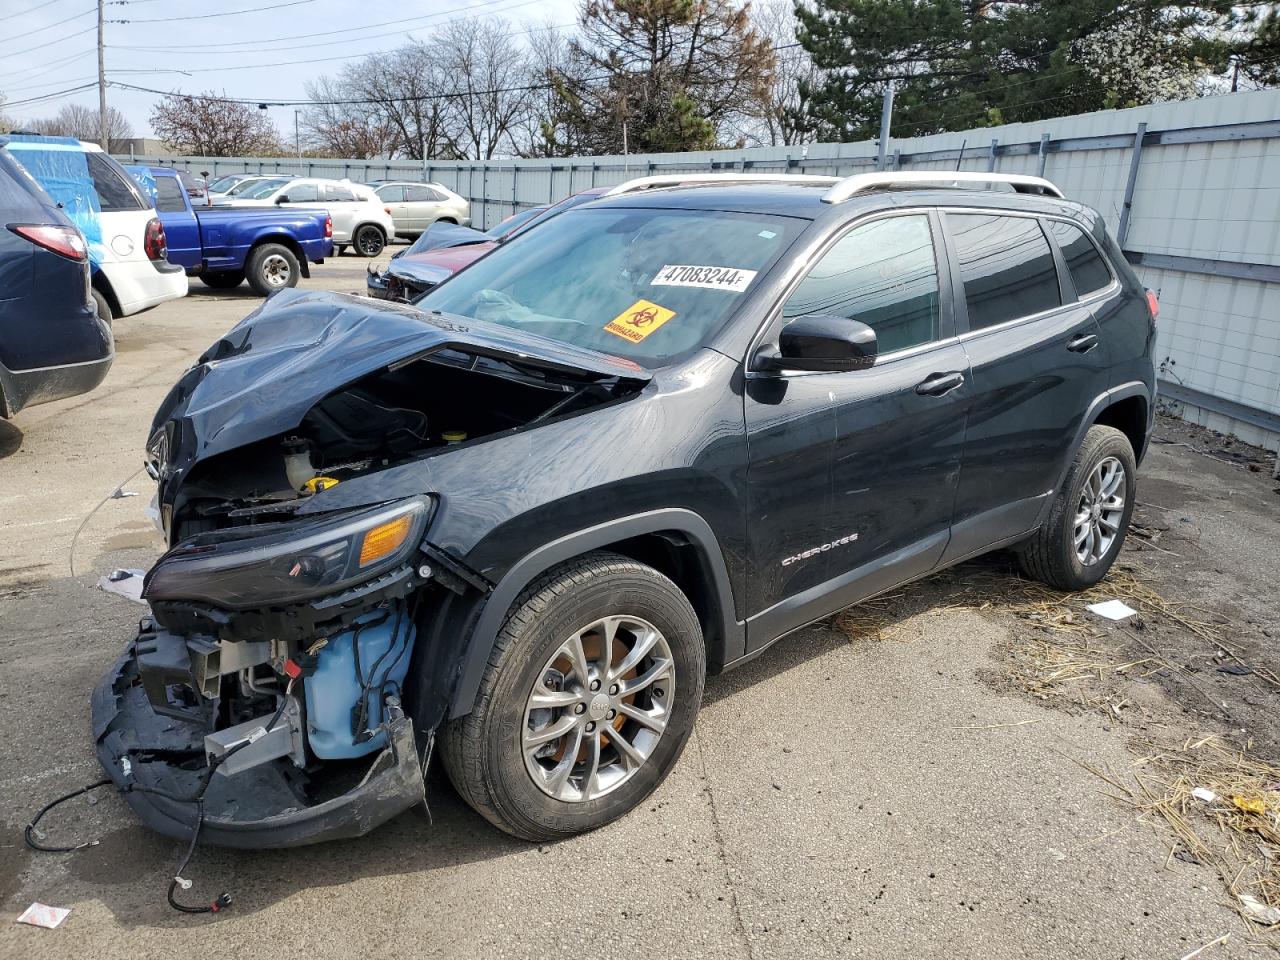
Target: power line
41 46
344 40
49 26
402 22
49 67
224 13
52 96
23 13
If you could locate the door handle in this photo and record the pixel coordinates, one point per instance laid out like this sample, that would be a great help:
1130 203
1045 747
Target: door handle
939 383
1083 343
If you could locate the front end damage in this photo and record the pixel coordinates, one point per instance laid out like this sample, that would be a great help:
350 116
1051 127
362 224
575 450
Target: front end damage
288 684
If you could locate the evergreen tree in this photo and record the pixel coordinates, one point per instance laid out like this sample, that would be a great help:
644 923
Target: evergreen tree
965 63
663 74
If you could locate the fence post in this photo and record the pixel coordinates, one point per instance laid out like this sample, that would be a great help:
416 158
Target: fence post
593 173
1043 153
886 118
515 172
1122 233
897 160
991 158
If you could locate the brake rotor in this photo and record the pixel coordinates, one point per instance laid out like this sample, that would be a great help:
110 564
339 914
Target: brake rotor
591 649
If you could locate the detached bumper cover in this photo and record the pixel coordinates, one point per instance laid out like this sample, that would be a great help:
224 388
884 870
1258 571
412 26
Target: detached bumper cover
265 807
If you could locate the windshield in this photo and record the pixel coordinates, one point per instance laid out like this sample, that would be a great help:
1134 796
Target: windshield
226 183
514 223
648 285
259 190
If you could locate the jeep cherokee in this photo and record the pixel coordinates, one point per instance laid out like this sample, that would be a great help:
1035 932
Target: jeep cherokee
523 518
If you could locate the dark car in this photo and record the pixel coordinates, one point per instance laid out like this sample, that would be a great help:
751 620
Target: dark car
439 252
521 522
52 344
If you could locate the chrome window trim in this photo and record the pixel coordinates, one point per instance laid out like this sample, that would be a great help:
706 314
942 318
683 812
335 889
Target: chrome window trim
774 313
1109 289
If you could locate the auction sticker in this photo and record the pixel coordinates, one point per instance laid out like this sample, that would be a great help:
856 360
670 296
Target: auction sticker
639 320
712 278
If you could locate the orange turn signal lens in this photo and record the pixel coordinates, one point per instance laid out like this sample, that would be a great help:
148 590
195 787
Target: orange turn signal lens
385 539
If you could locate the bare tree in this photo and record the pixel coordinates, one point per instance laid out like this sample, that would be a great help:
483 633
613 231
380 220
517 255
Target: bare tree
207 125
774 119
540 130
81 122
485 71
336 128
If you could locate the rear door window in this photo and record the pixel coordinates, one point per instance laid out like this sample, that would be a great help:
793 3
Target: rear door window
302 193
885 275
1006 266
115 190
420 193
169 195
1088 270
333 192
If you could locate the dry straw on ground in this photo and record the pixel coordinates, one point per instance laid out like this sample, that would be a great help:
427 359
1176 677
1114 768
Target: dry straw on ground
1237 833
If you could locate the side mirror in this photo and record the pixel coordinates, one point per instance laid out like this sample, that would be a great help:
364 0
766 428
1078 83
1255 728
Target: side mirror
821 342
283 199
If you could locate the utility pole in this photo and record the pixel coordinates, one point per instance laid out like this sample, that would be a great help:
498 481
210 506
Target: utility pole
102 85
886 116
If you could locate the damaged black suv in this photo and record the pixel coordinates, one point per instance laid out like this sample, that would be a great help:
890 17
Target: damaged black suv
525 517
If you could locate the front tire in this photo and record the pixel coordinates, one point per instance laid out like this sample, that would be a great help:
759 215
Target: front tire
271 267
1087 523
588 698
369 240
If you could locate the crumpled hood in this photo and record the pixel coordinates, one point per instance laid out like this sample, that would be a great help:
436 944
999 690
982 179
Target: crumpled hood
264 374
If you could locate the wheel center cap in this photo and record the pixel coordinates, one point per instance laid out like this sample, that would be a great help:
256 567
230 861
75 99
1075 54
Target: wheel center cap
1097 510
598 707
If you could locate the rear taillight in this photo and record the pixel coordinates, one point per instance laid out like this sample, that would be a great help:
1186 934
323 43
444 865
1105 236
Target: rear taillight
328 227
154 243
64 241
1153 305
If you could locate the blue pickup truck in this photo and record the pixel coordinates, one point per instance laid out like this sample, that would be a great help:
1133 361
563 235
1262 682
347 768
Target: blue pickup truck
270 248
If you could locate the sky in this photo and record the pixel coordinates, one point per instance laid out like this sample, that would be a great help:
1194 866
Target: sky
254 49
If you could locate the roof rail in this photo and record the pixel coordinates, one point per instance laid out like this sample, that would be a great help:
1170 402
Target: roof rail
861 182
679 179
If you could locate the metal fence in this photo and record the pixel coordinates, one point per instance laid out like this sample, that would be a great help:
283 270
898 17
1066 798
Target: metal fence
1190 189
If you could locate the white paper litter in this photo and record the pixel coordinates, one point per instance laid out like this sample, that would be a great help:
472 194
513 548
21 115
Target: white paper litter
1112 609
125 583
1205 794
1258 911
43 915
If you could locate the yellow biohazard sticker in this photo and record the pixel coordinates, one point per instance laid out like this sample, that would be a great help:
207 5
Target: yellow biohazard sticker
639 320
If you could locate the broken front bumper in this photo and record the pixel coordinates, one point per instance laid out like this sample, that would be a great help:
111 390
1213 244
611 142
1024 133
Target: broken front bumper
156 761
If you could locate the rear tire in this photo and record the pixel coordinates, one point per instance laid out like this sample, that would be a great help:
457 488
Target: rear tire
271 267
487 754
369 240
1087 523
103 307
222 279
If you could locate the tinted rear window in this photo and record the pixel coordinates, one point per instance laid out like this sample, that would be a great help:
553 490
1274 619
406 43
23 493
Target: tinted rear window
115 190
1085 264
1006 266
169 195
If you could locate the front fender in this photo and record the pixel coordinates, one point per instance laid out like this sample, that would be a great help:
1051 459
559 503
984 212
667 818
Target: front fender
729 638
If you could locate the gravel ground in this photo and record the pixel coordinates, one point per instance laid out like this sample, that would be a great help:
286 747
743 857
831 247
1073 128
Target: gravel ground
885 793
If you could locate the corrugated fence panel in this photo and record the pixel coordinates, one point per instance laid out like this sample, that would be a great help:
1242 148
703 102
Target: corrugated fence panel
1205 201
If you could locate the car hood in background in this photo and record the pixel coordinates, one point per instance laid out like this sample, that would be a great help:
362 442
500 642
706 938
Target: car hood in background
441 234
264 374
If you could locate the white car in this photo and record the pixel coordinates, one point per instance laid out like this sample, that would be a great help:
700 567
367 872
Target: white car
130 272
224 185
416 206
359 218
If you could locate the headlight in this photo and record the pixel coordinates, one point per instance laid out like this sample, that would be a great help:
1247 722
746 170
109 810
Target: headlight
276 563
